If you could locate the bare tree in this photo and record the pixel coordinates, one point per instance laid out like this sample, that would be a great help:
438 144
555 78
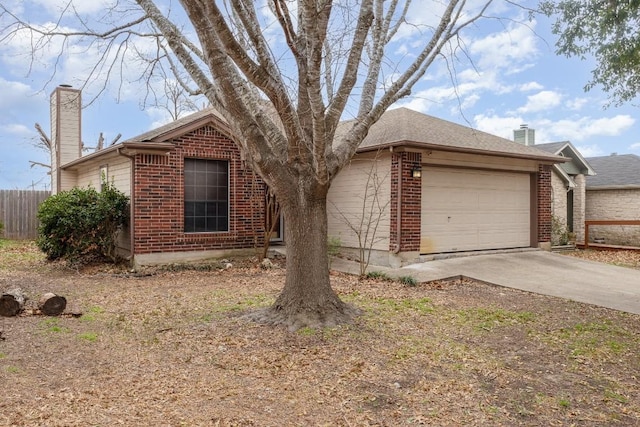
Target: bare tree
372 210
283 76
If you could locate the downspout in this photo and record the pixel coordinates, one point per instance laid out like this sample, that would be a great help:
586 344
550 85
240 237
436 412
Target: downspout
131 202
399 207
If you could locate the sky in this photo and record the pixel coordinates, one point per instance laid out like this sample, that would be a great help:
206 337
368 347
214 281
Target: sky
508 75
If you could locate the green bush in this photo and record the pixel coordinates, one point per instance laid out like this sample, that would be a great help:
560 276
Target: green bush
378 275
408 281
82 223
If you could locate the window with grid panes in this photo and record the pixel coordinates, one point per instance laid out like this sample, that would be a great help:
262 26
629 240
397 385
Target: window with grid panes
206 195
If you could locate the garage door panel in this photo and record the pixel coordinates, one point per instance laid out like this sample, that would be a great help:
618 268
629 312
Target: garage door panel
464 210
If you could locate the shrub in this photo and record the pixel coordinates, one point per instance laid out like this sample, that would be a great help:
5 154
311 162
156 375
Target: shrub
408 281
333 246
82 223
378 275
559 231
1 228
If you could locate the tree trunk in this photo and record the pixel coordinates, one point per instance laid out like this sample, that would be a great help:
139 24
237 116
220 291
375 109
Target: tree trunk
307 299
12 302
52 304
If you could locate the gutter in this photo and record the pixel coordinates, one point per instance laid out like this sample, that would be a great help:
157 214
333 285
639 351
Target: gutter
132 202
399 207
550 159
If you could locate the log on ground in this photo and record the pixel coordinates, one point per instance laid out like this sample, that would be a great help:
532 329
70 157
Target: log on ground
52 304
12 302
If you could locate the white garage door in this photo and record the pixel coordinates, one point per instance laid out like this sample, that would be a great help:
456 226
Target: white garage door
466 210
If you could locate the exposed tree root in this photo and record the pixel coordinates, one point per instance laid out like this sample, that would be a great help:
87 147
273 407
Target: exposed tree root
319 318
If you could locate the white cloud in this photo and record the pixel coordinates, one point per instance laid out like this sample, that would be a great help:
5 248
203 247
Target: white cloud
530 86
500 126
16 129
590 150
513 49
576 103
158 117
82 7
13 94
635 147
582 128
541 101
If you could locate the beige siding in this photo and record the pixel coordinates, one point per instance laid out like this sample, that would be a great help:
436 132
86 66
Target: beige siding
352 192
54 150
478 161
614 205
559 197
579 206
65 105
118 173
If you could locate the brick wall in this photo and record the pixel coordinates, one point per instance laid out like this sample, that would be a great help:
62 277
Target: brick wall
411 209
544 203
614 205
159 200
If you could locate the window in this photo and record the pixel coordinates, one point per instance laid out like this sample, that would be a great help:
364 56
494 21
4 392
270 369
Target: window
206 196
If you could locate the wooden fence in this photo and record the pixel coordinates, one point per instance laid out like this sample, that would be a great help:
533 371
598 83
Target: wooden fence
19 212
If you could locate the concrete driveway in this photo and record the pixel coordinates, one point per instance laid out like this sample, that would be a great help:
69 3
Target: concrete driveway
534 271
541 272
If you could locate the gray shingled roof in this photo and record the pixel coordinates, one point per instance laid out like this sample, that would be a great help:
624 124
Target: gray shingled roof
552 147
177 124
399 127
622 170
402 125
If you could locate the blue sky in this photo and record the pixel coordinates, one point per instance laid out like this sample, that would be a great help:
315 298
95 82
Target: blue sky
515 78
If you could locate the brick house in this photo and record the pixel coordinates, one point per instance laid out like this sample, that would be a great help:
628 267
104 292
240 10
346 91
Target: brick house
192 194
442 187
614 194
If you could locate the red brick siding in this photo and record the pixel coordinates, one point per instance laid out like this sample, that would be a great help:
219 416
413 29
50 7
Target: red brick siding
411 197
159 198
544 203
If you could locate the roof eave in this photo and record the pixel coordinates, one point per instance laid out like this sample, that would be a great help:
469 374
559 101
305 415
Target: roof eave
551 159
614 187
133 148
124 148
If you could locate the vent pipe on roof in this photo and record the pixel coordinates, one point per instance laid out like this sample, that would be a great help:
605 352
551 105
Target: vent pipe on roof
524 135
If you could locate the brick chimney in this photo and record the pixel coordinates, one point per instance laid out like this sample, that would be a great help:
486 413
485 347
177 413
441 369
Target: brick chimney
66 145
524 135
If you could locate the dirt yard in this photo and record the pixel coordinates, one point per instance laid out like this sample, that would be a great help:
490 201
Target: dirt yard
171 348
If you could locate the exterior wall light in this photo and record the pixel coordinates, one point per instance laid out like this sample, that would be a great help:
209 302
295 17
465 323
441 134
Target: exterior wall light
416 172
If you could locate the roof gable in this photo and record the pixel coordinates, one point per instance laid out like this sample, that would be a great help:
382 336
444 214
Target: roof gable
185 125
577 165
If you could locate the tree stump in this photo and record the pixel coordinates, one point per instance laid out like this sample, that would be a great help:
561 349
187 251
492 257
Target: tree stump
12 302
52 304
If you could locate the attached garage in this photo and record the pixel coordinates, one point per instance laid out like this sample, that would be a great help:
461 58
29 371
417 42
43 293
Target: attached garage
447 188
467 210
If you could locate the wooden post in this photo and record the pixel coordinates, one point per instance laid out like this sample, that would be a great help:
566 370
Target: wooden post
12 302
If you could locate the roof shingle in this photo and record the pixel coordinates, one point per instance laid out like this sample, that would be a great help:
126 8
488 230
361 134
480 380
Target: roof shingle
621 170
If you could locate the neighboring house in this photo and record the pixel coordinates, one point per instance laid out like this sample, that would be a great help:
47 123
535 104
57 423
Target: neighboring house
614 194
569 187
443 187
